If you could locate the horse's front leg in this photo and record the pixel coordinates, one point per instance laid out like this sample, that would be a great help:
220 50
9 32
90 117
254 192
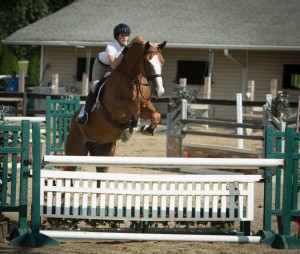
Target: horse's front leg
148 112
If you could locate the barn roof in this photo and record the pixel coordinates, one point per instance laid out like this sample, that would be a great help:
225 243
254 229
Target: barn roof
231 24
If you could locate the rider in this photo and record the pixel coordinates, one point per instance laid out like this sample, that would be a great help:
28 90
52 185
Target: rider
104 62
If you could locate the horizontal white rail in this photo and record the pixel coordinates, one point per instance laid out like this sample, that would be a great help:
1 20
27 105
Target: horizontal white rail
21 118
57 160
149 237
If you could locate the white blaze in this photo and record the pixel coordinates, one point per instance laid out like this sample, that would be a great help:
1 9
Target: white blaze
157 69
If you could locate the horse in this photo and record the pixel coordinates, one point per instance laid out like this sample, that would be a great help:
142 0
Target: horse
126 94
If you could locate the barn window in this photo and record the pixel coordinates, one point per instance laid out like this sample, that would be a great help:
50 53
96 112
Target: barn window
81 68
291 76
194 71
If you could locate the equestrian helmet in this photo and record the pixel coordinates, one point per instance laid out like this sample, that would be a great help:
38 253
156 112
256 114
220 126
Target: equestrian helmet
121 28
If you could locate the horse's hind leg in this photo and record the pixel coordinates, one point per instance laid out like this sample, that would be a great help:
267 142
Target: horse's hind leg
149 112
75 144
102 150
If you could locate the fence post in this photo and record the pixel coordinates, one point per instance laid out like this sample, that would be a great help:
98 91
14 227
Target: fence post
267 221
273 88
239 106
39 239
272 139
35 212
32 237
55 83
284 240
85 84
24 173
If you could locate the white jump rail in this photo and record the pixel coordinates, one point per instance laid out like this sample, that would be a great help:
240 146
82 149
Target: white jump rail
55 160
21 118
149 237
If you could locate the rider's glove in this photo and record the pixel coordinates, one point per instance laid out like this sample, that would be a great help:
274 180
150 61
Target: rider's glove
125 49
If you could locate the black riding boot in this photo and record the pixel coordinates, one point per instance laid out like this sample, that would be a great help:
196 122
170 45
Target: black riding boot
83 116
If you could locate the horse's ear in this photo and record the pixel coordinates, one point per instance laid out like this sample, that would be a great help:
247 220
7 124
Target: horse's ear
147 46
162 45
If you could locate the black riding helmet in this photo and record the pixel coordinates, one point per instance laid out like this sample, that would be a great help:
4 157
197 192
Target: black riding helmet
121 28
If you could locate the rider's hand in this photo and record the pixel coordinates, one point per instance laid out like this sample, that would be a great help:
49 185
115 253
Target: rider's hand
125 49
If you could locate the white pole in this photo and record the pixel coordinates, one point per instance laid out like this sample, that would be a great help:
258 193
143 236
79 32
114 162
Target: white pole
30 118
85 84
149 237
55 80
158 161
239 117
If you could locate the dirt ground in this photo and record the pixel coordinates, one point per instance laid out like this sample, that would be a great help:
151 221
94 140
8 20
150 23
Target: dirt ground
140 145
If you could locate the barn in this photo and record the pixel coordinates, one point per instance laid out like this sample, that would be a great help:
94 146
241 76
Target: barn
232 42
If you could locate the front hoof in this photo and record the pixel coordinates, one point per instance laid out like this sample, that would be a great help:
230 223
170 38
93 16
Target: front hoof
147 131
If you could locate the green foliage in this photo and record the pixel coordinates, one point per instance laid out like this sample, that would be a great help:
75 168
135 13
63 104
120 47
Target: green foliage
9 61
183 93
3 121
33 71
280 106
15 14
61 223
55 5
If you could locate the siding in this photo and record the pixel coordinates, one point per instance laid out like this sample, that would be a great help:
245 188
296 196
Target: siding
60 61
226 74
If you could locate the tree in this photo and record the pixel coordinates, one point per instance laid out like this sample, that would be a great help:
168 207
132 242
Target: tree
15 14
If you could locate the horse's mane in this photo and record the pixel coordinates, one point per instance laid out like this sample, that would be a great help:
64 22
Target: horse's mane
137 40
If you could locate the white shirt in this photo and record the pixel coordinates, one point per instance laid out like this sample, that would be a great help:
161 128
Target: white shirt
113 48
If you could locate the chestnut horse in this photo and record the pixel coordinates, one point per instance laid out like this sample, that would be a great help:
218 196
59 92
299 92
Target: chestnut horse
126 94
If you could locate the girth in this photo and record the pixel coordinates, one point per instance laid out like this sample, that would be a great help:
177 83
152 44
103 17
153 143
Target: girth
108 118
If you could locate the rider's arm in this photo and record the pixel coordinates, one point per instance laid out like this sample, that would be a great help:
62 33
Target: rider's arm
115 61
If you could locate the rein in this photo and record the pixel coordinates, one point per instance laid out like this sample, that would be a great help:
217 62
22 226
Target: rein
139 91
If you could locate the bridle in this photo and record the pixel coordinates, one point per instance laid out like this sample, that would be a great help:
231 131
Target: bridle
150 77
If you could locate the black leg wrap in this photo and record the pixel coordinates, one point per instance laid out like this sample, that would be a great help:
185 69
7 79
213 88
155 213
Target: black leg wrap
133 124
147 131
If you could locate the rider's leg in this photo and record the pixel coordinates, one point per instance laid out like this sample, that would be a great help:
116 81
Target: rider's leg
83 116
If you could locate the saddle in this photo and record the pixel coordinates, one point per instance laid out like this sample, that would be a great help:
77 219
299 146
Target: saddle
133 122
99 87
